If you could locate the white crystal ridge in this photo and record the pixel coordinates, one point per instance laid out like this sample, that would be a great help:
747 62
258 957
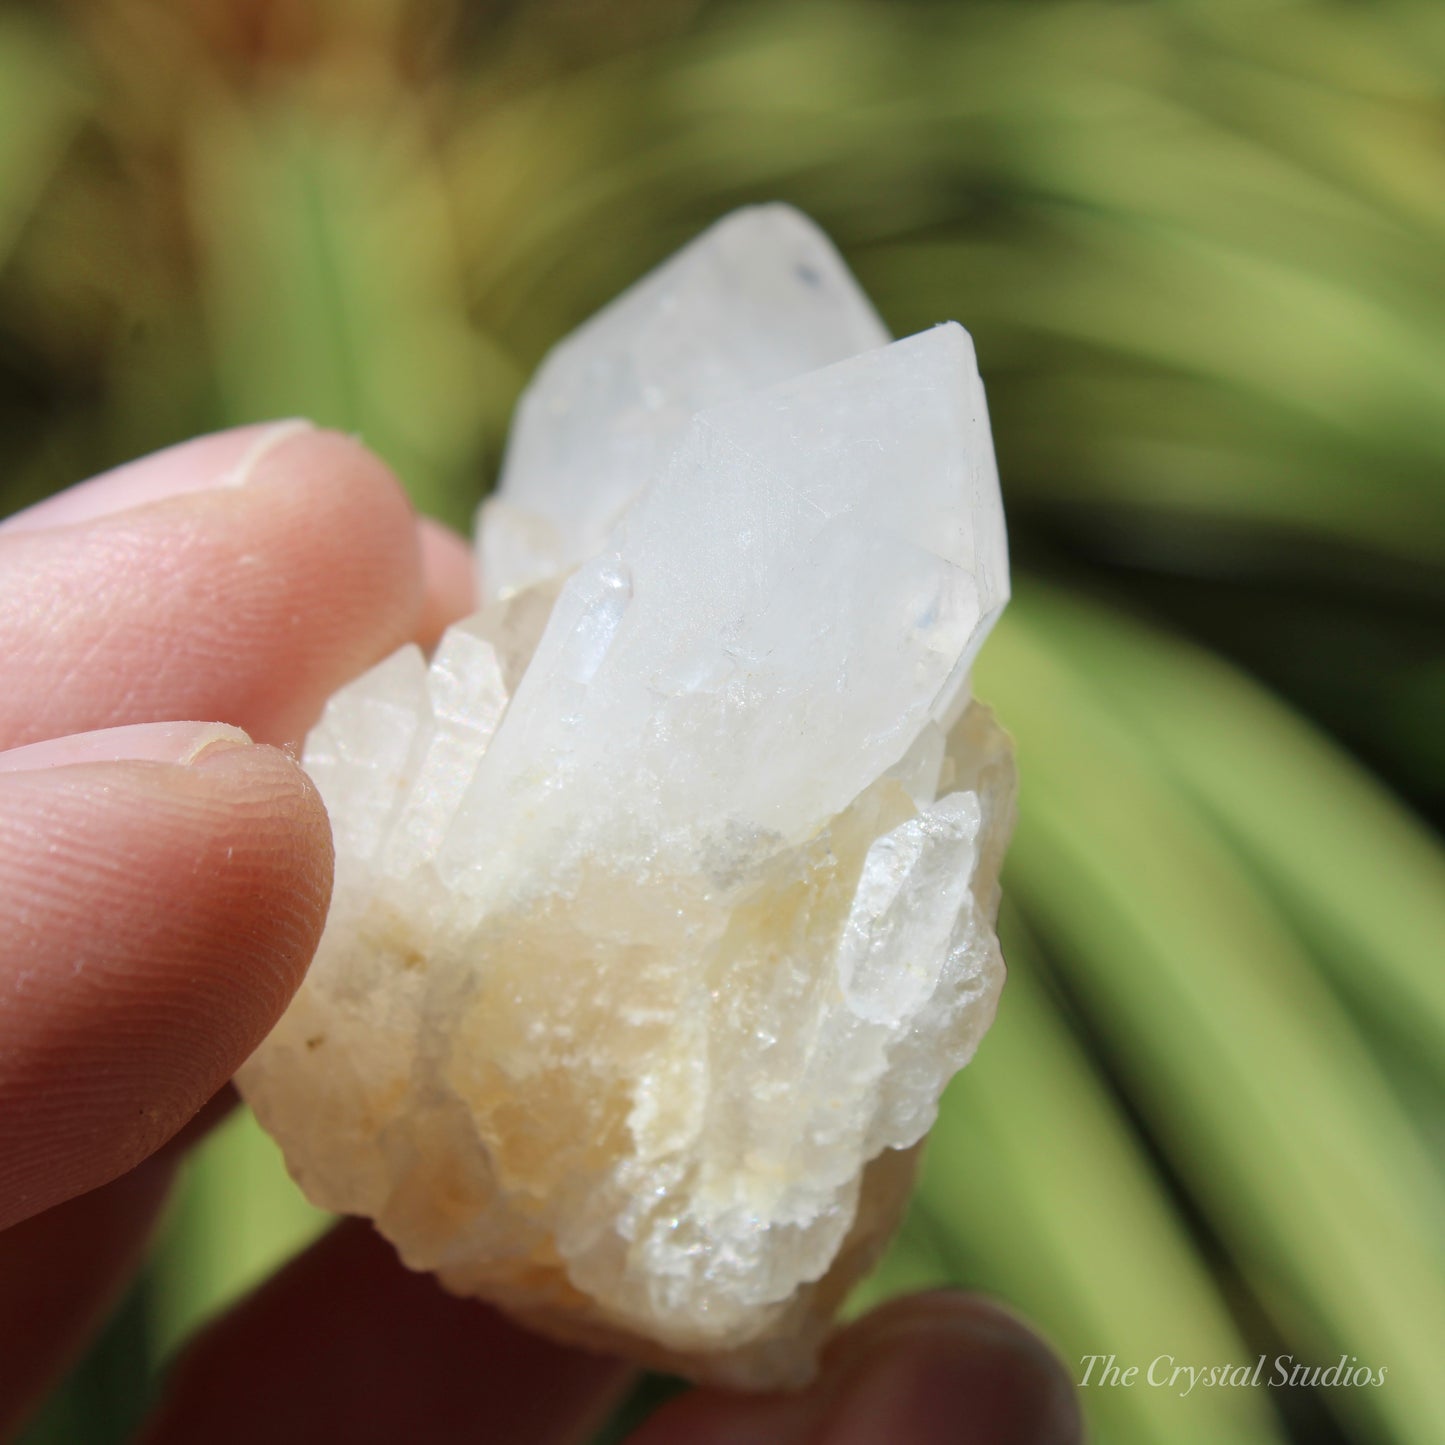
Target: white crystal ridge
665 892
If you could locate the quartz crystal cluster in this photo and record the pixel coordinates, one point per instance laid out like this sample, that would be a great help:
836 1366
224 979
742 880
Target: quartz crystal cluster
665 890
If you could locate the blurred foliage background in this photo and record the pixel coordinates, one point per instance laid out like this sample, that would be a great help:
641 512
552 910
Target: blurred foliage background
1201 246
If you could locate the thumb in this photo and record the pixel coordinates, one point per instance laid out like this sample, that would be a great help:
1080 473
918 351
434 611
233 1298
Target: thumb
162 890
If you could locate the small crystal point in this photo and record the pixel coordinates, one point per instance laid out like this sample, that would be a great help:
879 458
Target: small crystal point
759 297
665 894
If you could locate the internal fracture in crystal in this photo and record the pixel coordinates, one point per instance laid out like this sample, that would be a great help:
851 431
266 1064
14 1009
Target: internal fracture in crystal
665 891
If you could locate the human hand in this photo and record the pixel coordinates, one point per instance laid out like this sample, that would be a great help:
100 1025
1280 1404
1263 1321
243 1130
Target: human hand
163 885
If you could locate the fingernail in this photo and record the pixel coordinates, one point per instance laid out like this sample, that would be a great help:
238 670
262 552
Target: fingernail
950 1377
225 459
183 743
268 440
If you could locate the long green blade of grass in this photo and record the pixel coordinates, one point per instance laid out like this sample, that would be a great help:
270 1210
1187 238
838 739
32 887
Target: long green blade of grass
1362 880
1253 1077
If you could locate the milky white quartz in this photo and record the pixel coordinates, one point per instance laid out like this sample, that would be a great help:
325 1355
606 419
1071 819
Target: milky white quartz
759 298
665 893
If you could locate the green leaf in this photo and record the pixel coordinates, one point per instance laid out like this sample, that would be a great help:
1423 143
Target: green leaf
1251 1075
1361 879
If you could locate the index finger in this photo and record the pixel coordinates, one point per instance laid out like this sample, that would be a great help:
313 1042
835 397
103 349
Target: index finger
240 578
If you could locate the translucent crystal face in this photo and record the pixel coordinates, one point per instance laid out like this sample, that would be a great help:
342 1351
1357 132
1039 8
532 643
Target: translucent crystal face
665 894
760 297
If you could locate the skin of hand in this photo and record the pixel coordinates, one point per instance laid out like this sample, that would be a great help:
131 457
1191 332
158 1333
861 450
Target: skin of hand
168 631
